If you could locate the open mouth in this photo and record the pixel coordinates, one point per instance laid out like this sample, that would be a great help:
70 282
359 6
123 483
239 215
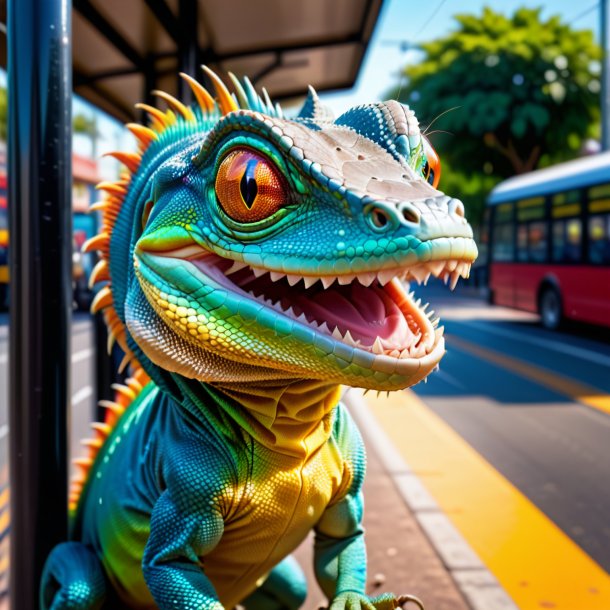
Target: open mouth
371 311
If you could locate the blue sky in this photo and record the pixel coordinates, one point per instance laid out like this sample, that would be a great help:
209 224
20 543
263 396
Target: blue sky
401 20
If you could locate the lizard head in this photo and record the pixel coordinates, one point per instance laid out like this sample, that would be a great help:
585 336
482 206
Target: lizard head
244 246
270 248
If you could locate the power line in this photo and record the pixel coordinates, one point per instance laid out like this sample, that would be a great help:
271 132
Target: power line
584 13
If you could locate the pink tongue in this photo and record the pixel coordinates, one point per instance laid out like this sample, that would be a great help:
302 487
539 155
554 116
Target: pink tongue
366 312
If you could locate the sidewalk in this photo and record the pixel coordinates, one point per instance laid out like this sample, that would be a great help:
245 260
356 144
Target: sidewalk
401 559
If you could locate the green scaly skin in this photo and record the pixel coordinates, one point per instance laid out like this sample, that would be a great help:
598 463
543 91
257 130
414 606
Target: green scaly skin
239 445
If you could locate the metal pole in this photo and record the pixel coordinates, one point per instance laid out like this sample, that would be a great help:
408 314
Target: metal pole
188 49
39 173
605 93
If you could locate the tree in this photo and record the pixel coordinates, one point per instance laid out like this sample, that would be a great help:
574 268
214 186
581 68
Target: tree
88 127
517 93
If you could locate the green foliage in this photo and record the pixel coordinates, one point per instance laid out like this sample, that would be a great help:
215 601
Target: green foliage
525 93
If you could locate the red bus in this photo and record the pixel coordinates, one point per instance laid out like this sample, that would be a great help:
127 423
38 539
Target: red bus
549 242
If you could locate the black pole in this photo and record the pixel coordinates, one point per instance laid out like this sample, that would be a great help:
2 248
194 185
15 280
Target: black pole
39 174
188 49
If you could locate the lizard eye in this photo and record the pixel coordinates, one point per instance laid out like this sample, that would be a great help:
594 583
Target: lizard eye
432 167
248 187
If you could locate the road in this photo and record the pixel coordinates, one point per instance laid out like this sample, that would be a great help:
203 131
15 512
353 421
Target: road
533 405
81 379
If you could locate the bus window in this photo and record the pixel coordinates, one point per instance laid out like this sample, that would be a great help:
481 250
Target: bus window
530 209
599 239
522 243
503 249
566 204
567 241
537 242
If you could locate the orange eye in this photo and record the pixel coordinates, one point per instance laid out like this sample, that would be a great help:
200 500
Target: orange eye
432 167
248 187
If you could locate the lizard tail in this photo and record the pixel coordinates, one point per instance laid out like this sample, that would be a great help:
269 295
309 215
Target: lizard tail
73 579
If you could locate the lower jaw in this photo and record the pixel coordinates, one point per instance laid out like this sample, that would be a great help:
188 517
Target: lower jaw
179 351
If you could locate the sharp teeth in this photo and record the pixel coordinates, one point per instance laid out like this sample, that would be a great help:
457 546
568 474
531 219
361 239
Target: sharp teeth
349 339
451 265
366 279
345 279
455 276
258 271
405 354
293 279
377 347
425 306
419 273
395 353
386 275
436 267
438 333
337 334
427 278
446 278
327 281
430 313
275 276
324 328
309 281
236 266
302 319
435 322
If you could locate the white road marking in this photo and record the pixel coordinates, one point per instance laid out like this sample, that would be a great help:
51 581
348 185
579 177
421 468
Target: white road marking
82 355
563 348
450 379
81 395
79 356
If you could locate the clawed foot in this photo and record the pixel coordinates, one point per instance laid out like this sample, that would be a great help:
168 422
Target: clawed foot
388 601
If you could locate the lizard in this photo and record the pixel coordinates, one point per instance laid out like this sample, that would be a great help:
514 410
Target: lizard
253 265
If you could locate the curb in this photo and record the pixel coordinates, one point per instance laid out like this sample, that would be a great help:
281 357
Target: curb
478 585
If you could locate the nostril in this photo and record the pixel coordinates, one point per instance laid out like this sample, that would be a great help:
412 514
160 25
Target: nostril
409 213
457 207
379 218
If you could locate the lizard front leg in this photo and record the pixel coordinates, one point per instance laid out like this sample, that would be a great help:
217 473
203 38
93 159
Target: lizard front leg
340 557
171 562
187 522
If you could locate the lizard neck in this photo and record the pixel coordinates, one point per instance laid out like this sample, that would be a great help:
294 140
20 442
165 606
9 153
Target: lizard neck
289 417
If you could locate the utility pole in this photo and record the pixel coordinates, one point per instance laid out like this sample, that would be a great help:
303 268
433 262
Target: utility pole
605 92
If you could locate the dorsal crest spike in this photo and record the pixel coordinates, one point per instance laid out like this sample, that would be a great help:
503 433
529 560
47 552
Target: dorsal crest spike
159 118
242 98
144 135
225 100
130 160
204 99
267 101
184 111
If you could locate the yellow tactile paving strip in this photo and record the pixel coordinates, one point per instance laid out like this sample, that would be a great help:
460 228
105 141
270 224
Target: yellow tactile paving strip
536 563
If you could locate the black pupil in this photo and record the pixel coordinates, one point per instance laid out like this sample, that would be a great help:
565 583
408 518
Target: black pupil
248 186
431 177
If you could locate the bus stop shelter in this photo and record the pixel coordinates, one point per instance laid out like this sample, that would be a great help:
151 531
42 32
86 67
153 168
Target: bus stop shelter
114 53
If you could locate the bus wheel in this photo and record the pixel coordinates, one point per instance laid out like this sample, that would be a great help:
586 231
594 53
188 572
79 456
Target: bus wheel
550 308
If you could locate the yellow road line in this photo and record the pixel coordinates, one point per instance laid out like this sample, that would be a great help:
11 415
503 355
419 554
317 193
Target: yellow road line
536 563
580 392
